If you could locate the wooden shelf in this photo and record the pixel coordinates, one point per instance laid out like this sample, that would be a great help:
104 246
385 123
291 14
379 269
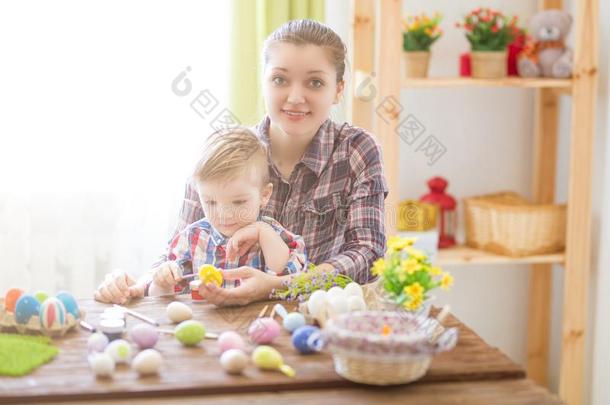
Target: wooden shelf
438 82
464 255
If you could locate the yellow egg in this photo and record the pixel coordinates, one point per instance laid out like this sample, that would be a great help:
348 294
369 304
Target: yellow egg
267 358
210 274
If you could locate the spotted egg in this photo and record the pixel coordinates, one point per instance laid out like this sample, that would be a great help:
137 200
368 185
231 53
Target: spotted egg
69 303
27 306
52 313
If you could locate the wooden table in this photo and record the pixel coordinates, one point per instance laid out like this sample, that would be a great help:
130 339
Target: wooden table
473 372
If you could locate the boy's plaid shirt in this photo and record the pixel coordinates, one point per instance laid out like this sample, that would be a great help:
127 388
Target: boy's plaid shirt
200 243
334 199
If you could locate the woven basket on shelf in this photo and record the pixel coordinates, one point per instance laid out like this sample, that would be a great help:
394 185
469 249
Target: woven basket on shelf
507 224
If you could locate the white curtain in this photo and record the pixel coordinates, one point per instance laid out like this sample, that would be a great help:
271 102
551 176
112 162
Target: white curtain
96 142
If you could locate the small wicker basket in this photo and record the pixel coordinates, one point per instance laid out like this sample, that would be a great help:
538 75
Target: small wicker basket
507 224
364 355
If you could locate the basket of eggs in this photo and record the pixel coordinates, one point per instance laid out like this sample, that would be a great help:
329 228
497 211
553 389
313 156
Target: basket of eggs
385 348
39 313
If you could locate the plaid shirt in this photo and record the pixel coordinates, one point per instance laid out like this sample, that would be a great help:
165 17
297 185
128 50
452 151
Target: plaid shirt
200 243
334 199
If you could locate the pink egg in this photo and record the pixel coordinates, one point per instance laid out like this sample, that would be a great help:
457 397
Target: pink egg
230 340
263 330
144 335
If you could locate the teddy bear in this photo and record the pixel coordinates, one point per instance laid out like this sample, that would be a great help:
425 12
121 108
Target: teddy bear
548 55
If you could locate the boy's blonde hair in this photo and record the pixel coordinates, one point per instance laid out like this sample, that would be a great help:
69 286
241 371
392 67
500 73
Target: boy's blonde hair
230 153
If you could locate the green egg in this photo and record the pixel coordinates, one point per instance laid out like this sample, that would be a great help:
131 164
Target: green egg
41 296
190 332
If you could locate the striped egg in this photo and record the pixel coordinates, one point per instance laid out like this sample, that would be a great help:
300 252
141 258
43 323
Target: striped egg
52 313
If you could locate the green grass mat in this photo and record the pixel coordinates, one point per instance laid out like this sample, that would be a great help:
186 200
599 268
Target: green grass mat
21 354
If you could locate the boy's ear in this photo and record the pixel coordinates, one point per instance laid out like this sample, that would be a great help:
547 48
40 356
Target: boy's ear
266 193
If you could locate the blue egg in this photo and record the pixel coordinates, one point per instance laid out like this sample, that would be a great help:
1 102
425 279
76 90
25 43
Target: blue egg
27 306
301 341
70 303
293 321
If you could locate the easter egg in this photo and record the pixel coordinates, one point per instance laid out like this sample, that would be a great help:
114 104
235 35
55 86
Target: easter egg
210 274
234 361
11 297
263 330
69 303
41 296
52 313
190 332
144 335
148 361
178 312
119 350
102 364
353 289
335 292
267 358
355 303
26 307
300 338
97 342
338 305
230 340
316 303
293 321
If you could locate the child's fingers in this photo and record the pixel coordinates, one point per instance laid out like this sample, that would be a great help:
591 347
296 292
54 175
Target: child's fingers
159 279
239 273
168 277
121 283
98 297
117 295
175 271
136 291
105 294
231 248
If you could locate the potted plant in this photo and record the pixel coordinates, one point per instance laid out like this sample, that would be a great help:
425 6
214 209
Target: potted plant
406 277
419 33
489 32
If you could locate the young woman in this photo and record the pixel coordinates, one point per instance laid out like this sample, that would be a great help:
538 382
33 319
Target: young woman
328 182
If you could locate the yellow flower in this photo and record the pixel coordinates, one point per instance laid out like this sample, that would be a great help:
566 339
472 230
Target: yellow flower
428 32
414 303
415 290
435 271
446 281
409 266
415 253
396 243
378 267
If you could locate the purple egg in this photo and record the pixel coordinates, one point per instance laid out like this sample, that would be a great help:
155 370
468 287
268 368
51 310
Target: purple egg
144 335
263 330
97 342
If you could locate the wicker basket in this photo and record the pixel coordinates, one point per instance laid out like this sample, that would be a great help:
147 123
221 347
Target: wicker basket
507 224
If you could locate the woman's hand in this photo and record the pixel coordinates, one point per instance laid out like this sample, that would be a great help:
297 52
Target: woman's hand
255 286
118 287
243 240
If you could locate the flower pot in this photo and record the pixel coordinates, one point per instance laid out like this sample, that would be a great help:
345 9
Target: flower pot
488 64
416 63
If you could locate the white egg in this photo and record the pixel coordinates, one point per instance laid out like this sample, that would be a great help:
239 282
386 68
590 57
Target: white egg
234 361
97 342
119 350
102 364
178 312
147 362
335 292
316 303
355 303
338 305
353 289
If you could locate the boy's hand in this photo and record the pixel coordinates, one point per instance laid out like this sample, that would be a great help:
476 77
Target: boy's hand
242 240
118 287
168 274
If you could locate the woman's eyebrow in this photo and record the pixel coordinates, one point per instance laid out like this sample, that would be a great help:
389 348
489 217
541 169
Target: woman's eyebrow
311 72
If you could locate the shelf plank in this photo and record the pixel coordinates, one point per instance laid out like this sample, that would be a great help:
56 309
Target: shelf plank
464 255
434 82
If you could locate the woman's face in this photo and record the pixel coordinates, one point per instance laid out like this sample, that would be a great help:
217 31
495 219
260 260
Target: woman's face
300 87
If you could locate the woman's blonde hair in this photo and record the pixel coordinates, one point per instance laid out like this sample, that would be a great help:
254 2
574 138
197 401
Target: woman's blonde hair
310 32
230 153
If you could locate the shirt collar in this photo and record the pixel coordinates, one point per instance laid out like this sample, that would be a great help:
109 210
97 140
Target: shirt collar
217 238
318 152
